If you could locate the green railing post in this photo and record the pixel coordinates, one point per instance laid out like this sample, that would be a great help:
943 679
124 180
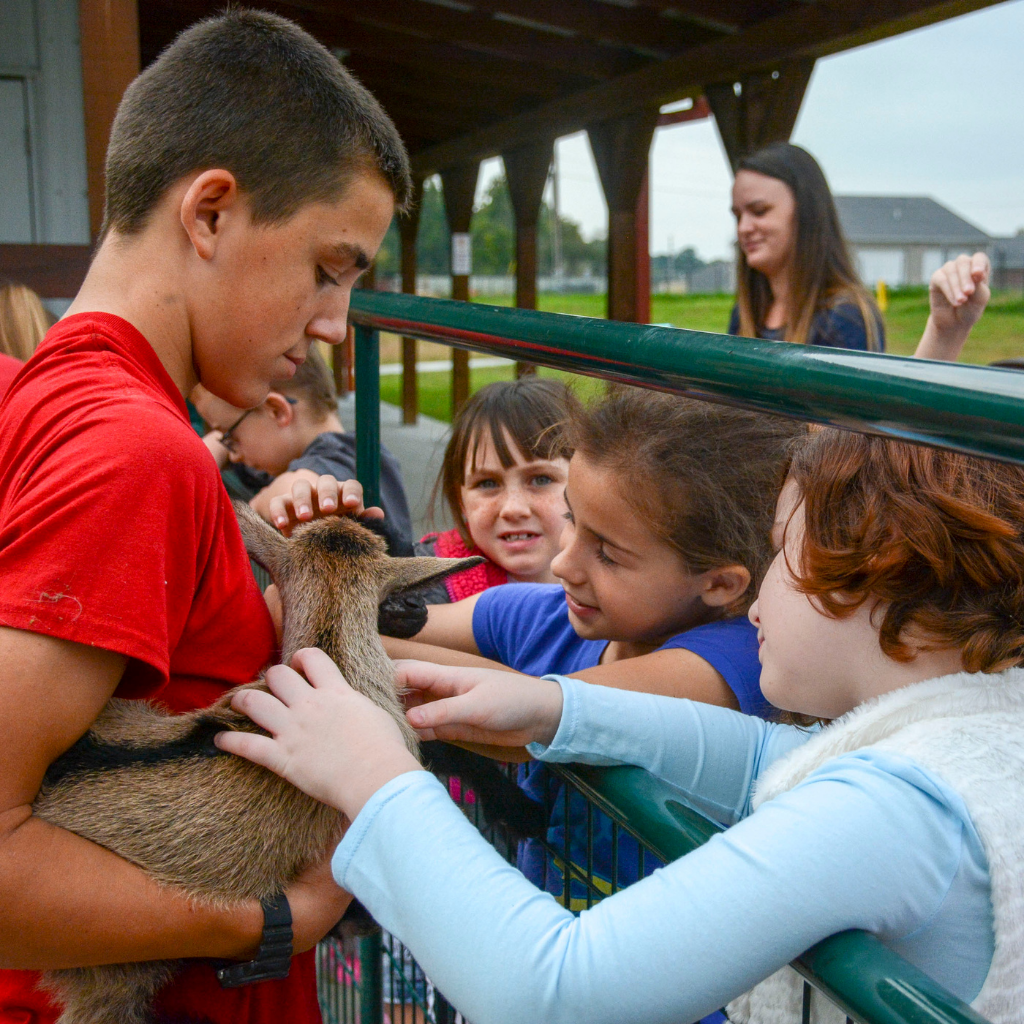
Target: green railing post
368 413
371 989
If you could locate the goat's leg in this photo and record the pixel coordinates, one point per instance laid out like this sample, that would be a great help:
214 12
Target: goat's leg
112 994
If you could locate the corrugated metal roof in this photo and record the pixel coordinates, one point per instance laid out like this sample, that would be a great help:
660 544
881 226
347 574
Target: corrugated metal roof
904 220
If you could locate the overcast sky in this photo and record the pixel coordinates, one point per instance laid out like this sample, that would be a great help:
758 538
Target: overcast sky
937 112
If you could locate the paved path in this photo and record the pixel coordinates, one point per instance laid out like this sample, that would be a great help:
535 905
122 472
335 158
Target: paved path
419 450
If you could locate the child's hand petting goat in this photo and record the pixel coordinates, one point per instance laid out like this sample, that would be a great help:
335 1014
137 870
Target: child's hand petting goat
325 738
304 502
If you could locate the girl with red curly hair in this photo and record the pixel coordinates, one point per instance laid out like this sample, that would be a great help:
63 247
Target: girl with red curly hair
892 618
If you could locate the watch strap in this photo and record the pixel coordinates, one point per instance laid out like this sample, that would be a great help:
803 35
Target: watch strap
275 953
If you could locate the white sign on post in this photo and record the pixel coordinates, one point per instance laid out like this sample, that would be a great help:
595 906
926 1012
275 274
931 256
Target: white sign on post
462 254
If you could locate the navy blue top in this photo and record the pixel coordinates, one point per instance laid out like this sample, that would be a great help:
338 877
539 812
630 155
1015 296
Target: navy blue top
842 326
526 627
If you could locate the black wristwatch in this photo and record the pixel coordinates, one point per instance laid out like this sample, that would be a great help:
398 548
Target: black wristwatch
275 954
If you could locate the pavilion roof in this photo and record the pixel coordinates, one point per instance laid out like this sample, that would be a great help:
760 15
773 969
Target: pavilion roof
467 80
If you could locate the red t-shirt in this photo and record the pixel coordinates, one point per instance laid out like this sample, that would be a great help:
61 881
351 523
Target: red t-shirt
116 531
9 367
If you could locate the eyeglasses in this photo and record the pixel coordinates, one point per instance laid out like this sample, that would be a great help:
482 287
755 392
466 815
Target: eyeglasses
228 439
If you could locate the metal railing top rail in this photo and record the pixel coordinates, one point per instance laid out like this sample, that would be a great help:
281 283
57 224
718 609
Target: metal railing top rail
866 979
968 408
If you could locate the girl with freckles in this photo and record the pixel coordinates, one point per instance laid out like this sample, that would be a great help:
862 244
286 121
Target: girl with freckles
893 613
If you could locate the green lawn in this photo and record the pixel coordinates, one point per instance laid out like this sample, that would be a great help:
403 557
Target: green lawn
999 335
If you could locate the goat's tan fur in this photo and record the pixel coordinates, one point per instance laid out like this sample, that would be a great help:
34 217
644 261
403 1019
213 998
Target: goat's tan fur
217 827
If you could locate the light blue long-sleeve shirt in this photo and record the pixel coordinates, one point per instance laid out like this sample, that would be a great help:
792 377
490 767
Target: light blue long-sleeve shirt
868 841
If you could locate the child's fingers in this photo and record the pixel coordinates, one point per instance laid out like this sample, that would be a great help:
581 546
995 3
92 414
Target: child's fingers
302 499
434 680
265 709
327 493
318 668
287 685
253 747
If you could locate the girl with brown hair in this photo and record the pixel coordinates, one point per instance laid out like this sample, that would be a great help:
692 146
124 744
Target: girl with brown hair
894 607
502 481
795 280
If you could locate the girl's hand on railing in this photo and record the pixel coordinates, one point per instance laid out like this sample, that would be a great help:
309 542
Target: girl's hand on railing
479 705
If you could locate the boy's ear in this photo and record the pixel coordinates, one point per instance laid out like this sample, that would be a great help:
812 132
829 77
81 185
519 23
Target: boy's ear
280 408
264 544
725 585
407 573
209 196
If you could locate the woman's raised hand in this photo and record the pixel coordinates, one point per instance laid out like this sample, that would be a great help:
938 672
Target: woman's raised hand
958 294
479 705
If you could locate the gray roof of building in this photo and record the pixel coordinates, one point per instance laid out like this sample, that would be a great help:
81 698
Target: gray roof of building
1008 253
903 220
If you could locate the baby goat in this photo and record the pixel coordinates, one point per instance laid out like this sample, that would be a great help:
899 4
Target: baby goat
152 787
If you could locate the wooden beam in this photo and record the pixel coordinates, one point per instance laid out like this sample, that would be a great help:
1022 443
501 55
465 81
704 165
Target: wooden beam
408 229
459 187
53 271
109 34
526 171
812 30
763 110
647 31
479 31
621 147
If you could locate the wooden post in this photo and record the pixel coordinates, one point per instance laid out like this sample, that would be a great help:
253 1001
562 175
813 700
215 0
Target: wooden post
526 170
109 34
762 110
621 148
642 255
459 185
408 228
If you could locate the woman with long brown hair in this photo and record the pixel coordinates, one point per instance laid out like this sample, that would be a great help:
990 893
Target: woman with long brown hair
795 279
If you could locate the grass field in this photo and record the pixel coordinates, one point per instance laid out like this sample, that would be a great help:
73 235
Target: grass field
999 335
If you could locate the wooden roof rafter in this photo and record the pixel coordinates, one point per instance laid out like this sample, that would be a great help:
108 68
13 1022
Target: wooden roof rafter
811 30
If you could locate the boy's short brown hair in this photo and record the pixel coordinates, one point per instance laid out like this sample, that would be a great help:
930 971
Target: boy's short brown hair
312 383
935 536
253 93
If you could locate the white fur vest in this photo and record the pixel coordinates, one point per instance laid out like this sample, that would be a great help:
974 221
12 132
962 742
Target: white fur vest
968 730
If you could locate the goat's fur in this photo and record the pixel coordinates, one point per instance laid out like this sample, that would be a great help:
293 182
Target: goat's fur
152 787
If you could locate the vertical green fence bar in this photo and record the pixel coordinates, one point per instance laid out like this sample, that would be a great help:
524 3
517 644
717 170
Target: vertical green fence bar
368 413
371 989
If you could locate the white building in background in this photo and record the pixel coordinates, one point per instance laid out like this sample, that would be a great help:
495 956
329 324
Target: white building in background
903 240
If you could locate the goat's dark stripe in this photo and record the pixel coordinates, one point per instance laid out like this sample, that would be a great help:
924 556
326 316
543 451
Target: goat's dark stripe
89 755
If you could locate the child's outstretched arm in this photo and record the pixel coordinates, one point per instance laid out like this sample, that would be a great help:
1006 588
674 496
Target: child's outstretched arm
676 672
878 855
448 626
958 294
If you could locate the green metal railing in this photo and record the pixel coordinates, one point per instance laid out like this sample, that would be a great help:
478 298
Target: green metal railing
966 408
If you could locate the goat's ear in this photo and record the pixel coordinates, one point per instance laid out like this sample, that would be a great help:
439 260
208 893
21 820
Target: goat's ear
408 573
264 544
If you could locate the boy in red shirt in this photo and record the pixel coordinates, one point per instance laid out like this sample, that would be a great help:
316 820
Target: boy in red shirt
250 181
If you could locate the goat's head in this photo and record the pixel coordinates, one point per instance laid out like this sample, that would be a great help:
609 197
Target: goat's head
332 574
